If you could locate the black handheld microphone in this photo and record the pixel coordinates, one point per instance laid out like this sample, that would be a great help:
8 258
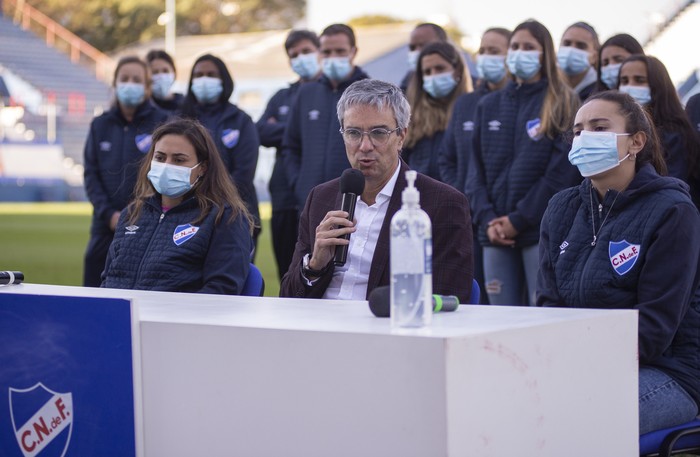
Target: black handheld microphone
11 277
352 184
379 302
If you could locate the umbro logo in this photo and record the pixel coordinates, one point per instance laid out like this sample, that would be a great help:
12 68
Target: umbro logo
494 126
131 229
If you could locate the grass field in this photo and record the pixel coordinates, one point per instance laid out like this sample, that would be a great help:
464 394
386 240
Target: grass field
46 242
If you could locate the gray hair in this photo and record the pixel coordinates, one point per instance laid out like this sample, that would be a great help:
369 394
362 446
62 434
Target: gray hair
378 94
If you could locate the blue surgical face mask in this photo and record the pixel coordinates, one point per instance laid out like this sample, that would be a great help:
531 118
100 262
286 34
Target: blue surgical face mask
439 85
573 61
170 180
207 90
161 84
412 59
306 65
492 68
337 68
609 74
524 64
130 95
640 93
595 152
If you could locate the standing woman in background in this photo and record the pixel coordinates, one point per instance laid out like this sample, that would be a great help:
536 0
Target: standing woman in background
440 78
645 78
233 131
578 58
116 144
163 76
457 146
519 162
612 53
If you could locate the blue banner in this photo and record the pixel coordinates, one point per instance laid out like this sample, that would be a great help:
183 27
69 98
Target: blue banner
66 377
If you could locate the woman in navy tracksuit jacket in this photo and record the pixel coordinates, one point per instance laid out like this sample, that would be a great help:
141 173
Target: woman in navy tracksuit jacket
645 76
627 238
441 77
456 148
233 131
116 144
519 162
190 237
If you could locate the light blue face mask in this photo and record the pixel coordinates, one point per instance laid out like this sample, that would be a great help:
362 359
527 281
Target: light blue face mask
595 152
161 84
412 59
572 61
130 95
306 65
609 74
170 180
640 93
524 64
337 68
439 85
206 89
492 68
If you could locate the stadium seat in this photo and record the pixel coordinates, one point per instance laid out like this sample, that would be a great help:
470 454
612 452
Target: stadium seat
254 284
682 439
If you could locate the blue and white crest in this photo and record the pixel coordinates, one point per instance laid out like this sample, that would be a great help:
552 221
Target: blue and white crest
183 233
533 128
143 142
42 420
230 137
623 255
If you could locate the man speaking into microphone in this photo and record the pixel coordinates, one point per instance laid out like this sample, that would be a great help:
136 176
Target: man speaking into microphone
374 117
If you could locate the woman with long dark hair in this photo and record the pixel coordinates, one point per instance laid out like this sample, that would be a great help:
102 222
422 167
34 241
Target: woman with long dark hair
646 79
187 229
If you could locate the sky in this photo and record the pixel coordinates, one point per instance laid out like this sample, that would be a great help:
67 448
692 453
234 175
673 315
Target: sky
608 17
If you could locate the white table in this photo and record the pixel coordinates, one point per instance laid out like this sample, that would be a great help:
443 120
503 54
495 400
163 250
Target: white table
241 376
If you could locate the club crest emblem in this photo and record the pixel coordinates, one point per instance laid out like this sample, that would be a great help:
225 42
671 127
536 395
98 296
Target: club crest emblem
42 420
183 233
230 137
143 142
533 128
623 255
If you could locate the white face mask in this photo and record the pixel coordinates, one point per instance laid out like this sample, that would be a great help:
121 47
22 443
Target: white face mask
170 180
595 152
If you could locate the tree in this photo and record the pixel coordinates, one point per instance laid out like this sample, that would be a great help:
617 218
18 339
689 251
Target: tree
111 24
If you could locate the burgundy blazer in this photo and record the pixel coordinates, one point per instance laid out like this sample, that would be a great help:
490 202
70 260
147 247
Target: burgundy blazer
452 238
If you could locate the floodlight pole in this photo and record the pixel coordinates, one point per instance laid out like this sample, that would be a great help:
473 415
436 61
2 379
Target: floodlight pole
170 27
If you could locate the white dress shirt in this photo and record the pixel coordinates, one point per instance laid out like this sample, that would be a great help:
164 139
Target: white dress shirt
350 281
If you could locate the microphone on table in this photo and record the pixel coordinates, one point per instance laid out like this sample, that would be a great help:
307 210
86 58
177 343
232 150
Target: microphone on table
352 184
379 302
11 277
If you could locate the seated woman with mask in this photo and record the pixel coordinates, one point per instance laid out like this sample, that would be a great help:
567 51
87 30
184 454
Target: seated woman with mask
187 229
627 238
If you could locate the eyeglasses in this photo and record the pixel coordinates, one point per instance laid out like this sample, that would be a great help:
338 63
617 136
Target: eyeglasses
378 136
